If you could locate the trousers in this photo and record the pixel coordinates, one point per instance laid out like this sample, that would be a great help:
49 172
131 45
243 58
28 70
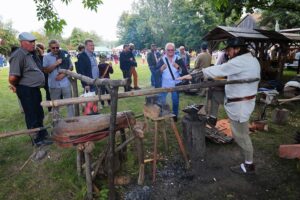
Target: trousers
240 132
175 101
31 98
65 92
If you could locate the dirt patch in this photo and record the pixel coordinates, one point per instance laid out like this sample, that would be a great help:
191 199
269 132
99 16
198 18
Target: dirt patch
212 178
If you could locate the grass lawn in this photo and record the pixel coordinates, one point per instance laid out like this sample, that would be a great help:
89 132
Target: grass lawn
55 177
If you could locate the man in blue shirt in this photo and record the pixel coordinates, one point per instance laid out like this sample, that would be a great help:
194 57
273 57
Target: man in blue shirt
59 84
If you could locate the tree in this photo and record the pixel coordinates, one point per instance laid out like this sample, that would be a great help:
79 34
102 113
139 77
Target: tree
183 22
46 11
78 36
287 11
8 36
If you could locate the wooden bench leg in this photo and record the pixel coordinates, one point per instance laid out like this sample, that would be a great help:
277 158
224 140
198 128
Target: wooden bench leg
88 175
180 143
79 160
165 136
155 152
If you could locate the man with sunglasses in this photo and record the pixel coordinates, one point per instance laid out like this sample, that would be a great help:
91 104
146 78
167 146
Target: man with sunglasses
59 84
26 79
169 68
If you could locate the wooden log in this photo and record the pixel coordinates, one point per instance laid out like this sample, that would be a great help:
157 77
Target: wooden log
97 81
151 110
22 132
280 116
63 102
282 101
82 125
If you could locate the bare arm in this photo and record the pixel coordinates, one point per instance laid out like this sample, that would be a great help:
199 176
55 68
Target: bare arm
13 80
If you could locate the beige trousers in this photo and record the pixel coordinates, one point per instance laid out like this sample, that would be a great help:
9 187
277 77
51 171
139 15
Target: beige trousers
240 132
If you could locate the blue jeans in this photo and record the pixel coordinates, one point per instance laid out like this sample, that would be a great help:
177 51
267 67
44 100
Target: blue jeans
34 114
153 74
175 101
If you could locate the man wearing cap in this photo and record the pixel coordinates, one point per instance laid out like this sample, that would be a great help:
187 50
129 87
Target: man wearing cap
203 60
26 79
239 102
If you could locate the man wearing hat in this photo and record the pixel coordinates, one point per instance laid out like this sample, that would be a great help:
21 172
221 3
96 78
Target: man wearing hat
26 79
203 60
239 99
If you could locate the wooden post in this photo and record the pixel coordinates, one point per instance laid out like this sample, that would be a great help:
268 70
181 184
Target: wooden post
73 82
79 159
181 146
111 150
88 175
155 152
165 136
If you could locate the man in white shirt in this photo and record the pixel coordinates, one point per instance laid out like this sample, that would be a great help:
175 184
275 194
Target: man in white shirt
239 102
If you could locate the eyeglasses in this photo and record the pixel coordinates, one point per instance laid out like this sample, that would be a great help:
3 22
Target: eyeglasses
54 47
170 50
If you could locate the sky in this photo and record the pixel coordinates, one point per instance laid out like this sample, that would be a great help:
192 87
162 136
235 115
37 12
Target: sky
22 13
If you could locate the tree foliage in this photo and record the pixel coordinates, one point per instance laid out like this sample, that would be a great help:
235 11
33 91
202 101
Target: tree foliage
8 36
160 21
53 23
286 11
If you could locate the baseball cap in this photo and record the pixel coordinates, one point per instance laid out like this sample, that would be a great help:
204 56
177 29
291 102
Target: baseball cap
25 36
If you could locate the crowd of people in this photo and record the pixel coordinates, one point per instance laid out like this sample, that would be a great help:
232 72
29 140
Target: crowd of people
32 69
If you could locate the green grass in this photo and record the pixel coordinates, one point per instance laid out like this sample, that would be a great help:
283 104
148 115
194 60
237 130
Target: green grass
55 177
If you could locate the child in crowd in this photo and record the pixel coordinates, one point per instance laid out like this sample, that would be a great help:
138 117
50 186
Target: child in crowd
104 70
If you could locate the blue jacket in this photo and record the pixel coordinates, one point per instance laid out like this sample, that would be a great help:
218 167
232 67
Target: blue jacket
83 66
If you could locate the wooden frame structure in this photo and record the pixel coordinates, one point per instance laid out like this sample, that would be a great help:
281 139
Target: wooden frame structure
259 40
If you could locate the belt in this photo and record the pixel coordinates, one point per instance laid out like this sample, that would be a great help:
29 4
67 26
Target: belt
241 99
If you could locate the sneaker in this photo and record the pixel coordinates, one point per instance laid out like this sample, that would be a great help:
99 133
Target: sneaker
137 88
243 169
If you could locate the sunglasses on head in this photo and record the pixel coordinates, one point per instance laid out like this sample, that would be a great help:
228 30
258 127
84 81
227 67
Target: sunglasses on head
54 47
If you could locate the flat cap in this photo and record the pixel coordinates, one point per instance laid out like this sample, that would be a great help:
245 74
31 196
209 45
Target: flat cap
25 36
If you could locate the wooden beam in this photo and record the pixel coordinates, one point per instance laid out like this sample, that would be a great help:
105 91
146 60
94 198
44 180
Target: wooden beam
22 132
79 100
97 81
